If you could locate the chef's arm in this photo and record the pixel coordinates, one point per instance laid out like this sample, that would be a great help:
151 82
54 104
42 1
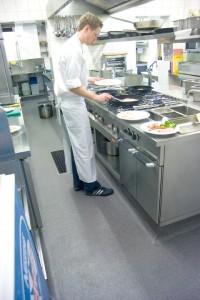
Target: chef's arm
83 92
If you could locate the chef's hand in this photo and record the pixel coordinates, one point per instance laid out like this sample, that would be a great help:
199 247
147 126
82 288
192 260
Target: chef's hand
93 79
104 97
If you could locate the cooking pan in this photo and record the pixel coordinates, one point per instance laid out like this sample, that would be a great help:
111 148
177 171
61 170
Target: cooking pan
139 89
148 24
114 93
124 100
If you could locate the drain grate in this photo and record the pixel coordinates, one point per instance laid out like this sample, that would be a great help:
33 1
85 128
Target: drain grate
59 160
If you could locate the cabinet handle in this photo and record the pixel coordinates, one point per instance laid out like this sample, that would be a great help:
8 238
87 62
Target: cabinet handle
133 151
146 164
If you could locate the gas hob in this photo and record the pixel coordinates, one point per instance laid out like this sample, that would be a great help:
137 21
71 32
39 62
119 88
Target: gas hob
146 101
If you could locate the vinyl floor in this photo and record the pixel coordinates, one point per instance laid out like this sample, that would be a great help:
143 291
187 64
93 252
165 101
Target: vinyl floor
105 248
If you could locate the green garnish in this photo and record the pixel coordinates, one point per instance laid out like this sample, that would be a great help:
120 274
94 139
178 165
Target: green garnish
168 124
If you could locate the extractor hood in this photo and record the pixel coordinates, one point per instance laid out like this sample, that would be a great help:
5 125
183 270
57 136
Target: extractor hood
98 7
113 6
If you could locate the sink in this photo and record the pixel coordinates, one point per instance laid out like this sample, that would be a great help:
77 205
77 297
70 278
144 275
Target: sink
172 115
186 110
155 116
185 120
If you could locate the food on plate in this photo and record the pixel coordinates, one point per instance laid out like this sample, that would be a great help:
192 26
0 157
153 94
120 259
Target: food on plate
129 100
166 126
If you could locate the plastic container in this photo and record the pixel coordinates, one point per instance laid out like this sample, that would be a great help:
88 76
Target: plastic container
45 111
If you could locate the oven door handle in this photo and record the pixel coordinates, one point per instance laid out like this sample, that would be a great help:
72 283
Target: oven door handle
135 153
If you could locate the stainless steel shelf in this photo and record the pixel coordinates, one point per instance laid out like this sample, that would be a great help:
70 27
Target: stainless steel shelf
162 38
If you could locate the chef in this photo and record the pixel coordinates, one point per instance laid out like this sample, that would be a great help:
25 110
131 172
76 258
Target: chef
71 88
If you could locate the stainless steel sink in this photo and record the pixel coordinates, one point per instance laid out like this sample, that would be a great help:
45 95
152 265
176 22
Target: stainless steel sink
186 110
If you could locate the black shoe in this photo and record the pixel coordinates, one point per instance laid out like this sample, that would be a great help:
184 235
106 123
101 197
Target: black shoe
79 188
101 191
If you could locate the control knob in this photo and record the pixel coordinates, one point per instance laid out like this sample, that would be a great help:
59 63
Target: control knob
135 136
115 130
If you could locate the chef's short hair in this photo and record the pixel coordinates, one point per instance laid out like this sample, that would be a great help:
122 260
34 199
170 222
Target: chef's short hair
89 19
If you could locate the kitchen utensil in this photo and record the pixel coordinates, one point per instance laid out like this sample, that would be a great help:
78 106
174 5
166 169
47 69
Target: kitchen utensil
116 34
111 92
164 30
148 24
141 89
111 149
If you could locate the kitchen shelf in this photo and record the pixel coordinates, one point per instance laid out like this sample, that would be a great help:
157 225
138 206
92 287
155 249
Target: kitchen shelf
162 38
31 96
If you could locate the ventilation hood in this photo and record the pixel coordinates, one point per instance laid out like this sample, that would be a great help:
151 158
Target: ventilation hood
98 7
113 6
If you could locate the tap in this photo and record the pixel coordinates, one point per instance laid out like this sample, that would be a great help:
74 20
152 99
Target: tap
149 70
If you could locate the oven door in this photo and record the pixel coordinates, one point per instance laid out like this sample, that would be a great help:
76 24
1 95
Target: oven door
141 177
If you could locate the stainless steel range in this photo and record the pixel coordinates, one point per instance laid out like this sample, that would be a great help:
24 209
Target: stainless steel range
145 164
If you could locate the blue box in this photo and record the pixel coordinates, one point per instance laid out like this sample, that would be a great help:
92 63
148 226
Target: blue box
33 80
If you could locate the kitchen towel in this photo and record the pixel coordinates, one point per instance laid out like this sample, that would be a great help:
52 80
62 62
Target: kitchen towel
15 113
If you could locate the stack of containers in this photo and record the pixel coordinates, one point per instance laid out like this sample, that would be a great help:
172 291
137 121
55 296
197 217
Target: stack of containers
34 85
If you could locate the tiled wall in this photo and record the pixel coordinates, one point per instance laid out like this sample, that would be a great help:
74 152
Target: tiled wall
22 10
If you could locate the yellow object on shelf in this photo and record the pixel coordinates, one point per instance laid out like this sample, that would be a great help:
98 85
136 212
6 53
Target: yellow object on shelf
12 63
177 58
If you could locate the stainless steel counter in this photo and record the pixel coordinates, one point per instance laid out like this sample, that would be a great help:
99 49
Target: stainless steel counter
160 173
20 139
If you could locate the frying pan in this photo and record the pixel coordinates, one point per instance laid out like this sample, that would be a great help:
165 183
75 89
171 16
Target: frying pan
124 100
114 93
140 89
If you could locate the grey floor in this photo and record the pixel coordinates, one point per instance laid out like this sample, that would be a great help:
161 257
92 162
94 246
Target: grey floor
106 248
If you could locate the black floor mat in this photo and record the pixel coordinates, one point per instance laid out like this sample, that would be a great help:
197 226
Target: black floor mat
59 159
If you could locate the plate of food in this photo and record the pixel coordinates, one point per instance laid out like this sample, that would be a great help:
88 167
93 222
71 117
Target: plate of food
160 128
133 115
108 82
14 128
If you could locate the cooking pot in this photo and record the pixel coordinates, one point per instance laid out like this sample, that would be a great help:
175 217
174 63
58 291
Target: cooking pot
111 149
140 89
148 24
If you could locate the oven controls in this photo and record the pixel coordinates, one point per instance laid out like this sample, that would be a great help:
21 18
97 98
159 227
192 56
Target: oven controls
115 130
135 136
101 119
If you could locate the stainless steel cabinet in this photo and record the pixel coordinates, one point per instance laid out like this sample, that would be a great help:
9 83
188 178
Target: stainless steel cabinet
141 177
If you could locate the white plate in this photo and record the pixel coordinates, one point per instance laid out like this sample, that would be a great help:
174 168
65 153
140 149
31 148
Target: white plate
133 115
7 109
145 128
14 128
108 82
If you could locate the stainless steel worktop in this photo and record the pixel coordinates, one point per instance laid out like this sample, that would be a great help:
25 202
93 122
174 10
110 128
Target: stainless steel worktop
19 138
